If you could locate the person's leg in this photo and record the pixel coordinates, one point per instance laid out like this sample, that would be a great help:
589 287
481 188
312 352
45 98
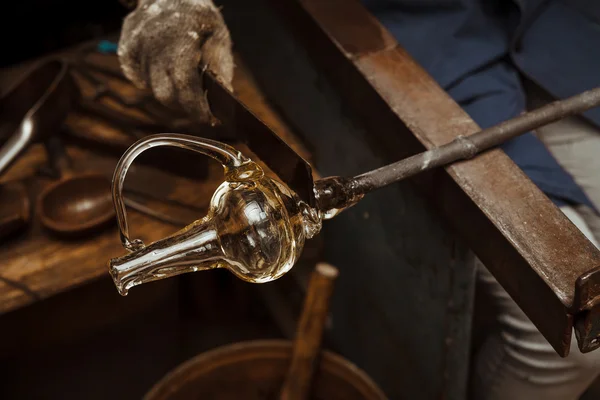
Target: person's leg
575 143
516 362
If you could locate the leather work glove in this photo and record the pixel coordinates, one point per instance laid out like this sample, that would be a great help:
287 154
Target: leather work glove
164 44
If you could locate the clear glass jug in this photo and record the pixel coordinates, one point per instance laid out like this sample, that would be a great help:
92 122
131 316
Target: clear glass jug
255 227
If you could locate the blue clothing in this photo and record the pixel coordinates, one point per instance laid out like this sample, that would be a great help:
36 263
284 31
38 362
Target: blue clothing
477 50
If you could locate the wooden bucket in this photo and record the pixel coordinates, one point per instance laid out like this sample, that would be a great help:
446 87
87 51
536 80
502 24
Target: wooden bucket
255 370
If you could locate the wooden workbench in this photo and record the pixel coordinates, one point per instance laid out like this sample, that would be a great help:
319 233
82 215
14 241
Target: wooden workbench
37 264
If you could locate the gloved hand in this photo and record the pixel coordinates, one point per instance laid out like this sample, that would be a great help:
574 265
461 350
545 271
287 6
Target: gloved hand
163 44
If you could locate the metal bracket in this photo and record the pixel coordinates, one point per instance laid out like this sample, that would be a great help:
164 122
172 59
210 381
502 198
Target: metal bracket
587 316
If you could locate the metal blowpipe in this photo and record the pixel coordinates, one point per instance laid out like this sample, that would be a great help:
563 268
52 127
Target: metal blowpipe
336 193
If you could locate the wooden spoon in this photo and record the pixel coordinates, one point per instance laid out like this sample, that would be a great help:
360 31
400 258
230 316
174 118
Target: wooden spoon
82 203
78 203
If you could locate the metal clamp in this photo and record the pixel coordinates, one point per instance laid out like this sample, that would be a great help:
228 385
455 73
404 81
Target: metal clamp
587 316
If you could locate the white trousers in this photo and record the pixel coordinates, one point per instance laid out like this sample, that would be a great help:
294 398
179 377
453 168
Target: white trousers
516 362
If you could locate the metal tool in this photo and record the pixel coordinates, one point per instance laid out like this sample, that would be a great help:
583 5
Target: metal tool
291 168
333 194
35 108
339 193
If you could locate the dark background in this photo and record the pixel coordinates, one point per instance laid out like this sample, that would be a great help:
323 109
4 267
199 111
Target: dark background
32 28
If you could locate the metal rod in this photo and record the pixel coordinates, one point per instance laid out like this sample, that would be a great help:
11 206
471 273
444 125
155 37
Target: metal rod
336 193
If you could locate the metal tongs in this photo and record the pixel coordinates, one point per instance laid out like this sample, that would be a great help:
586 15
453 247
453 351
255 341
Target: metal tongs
333 194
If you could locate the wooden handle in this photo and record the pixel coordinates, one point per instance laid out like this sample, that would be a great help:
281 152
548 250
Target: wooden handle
307 344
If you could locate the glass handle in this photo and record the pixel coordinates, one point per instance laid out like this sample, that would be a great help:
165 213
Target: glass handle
230 158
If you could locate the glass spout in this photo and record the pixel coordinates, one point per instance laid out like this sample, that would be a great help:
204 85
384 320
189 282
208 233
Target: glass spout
194 248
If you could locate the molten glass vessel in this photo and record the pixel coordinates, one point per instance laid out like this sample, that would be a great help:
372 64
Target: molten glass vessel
256 227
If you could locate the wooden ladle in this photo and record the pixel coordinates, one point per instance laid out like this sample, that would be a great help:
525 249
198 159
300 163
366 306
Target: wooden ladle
78 203
81 203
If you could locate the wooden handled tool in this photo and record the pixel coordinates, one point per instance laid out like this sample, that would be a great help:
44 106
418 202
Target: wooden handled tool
307 344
